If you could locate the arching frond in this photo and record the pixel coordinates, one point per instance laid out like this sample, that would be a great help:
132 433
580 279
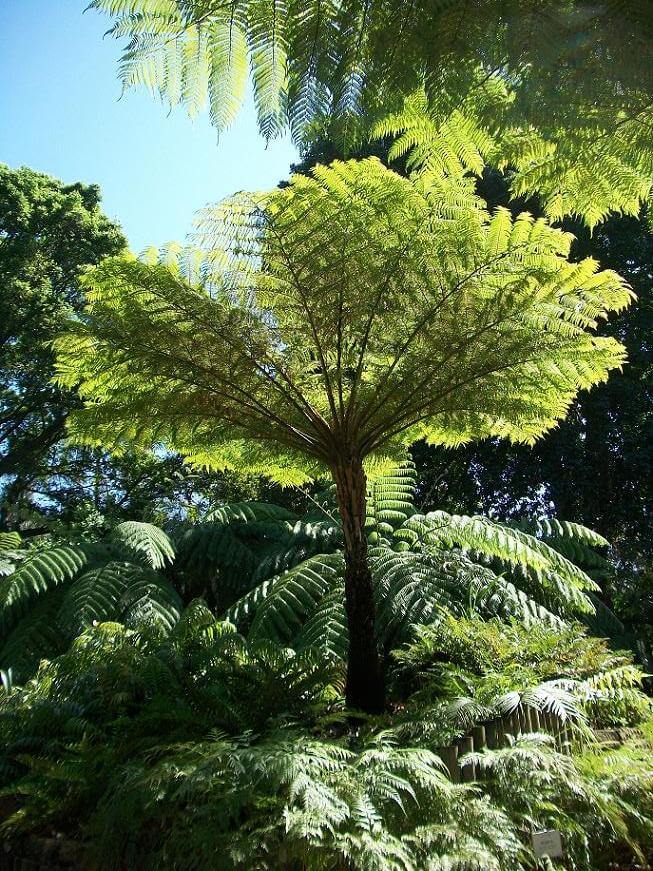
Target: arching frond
249 512
579 544
38 575
145 541
118 591
567 583
296 594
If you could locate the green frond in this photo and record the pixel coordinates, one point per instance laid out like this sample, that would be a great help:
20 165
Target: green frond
38 575
215 550
558 165
9 541
508 82
322 572
510 546
548 697
296 595
302 541
604 623
118 591
36 636
326 629
391 501
493 337
150 601
249 512
144 541
574 541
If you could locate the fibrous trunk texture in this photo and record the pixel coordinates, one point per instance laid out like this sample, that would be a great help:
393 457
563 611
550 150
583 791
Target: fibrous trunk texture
365 680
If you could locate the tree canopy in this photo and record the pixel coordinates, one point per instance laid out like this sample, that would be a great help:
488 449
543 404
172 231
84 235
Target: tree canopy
48 232
353 308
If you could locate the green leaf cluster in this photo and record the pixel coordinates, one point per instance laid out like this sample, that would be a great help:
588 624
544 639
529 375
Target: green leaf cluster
352 311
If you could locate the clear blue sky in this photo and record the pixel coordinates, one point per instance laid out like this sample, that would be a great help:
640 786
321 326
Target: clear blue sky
60 113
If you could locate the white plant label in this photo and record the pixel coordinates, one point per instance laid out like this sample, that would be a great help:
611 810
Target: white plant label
547 843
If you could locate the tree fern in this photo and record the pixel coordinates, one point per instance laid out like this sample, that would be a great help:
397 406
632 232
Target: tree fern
300 376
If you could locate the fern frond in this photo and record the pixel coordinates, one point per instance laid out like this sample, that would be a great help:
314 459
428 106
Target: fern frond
38 575
296 595
326 629
144 541
510 546
120 591
36 636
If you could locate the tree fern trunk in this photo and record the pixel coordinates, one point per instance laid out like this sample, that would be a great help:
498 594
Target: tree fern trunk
365 683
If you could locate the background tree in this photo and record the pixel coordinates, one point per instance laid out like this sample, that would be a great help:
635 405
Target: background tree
333 322
48 232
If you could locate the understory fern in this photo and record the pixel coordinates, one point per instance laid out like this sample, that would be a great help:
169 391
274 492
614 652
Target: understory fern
422 564
278 576
197 748
54 592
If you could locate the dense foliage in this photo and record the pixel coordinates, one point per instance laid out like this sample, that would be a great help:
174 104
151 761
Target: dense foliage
355 678
280 576
48 232
170 728
195 747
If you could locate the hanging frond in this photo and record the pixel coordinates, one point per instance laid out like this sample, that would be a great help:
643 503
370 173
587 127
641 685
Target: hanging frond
560 93
579 544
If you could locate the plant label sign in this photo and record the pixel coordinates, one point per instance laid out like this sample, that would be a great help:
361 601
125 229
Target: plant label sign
547 843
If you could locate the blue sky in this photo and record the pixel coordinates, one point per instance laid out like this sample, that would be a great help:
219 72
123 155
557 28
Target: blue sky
60 113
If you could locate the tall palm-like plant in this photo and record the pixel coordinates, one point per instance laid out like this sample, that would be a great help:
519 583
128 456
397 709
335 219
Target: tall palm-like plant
329 324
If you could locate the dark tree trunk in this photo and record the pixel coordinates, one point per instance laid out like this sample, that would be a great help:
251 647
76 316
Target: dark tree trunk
365 680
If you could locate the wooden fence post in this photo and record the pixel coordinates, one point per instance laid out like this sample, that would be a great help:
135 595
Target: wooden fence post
466 745
449 756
